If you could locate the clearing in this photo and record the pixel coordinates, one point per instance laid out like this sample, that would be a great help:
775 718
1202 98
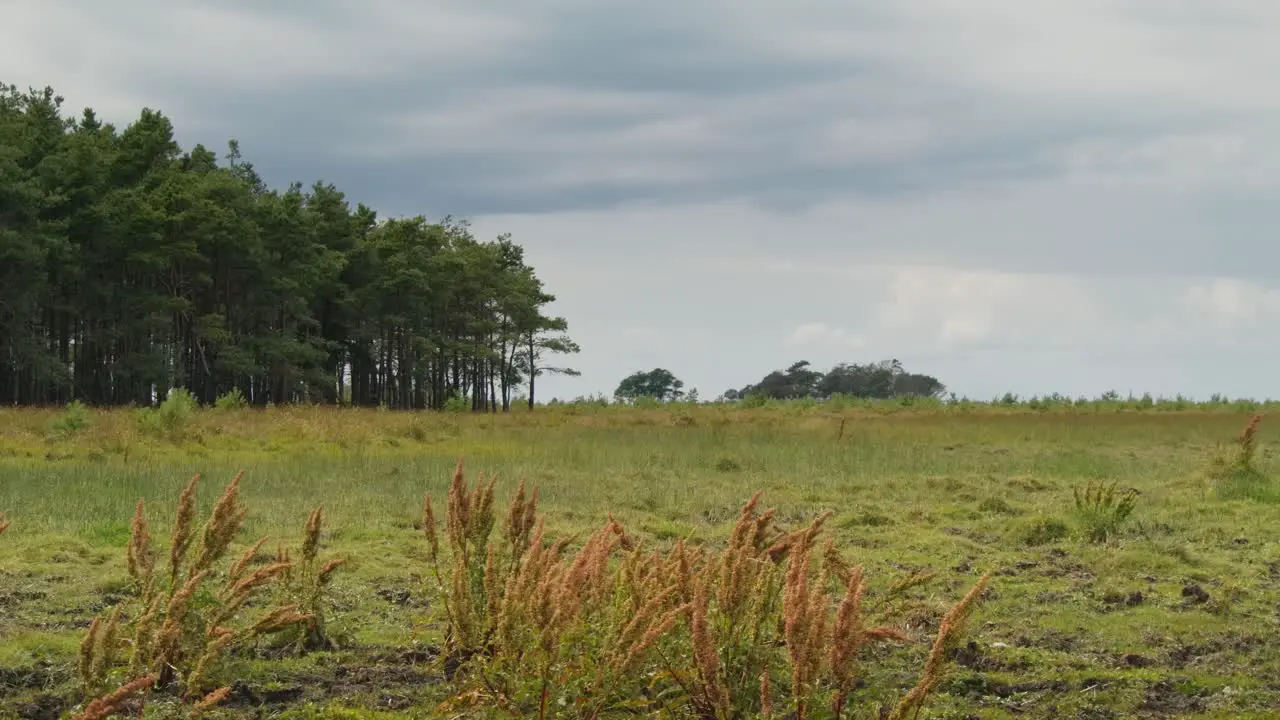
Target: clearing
1173 615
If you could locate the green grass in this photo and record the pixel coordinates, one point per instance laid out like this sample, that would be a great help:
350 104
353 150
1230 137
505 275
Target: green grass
1172 616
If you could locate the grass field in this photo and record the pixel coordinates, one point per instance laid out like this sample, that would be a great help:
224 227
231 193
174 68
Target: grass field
1173 615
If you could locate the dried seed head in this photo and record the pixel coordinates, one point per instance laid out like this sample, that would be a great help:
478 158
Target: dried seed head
221 528
237 570
182 529
766 696
210 700
141 560
107 705
88 646
278 619
311 538
948 631
705 655
326 570
429 528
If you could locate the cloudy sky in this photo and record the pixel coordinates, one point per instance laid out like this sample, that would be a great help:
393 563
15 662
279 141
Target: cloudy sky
1054 195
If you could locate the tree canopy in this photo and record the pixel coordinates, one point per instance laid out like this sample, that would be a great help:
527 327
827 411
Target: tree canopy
886 379
129 267
658 383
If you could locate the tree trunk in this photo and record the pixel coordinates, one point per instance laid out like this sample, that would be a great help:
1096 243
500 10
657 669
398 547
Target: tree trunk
533 370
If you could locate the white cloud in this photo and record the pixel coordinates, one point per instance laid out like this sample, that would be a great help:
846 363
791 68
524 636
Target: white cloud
1179 162
1231 304
958 308
821 336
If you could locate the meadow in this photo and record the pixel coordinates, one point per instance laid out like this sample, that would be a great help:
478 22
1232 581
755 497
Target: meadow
1090 611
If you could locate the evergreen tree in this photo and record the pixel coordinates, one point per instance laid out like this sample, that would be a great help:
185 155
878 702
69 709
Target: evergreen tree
129 267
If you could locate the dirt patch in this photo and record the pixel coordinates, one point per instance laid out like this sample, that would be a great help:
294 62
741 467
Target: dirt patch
15 598
395 596
394 681
1185 654
976 657
1193 594
1055 640
982 686
1116 600
1134 660
1065 568
30 677
245 694
1166 698
42 707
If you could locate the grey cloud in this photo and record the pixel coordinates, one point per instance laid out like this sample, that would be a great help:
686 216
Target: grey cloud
625 144
767 111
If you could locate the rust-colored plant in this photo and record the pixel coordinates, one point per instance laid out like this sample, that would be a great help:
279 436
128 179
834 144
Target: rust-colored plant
949 632
172 639
305 583
112 702
613 627
1248 441
478 572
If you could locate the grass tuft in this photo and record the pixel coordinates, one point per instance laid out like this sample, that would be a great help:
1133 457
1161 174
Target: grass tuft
1101 509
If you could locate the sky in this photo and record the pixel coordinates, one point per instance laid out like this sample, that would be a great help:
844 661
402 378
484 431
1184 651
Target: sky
1063 196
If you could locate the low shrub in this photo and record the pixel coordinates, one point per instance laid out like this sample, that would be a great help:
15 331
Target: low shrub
74 420
170 421
233 399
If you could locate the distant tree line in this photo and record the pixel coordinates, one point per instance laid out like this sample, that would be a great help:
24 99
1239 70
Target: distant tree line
882 380
129 267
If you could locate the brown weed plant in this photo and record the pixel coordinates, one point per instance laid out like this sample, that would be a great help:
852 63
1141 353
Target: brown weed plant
182 621
112 703
1234 472
1248 441
1241 458
304 584
616 628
